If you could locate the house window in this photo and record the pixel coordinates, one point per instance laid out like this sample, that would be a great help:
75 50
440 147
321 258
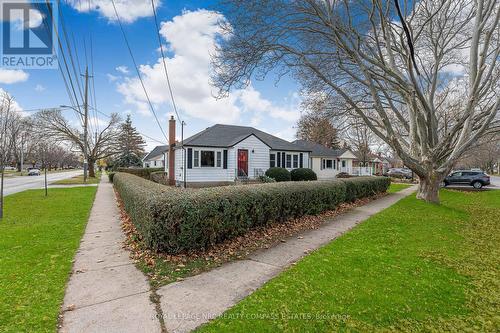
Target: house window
196 159
289 161
272 160
155 163
219 159
335 164
329 164
295 161
207 159
343 164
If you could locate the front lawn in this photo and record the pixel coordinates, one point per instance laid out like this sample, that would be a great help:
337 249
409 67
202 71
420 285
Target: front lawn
396 187
38 240
78 180
412 267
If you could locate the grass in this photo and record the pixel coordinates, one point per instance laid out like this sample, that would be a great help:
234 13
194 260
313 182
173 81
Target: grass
396 187
39 237
412 267
78 180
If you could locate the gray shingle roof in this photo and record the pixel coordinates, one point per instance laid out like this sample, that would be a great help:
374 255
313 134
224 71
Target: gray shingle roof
318 150
224 136
157 151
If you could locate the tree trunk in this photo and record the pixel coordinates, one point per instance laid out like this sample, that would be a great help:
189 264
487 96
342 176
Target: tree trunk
91 168
428 188
1 192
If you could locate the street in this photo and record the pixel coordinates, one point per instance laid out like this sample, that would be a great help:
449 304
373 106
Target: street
495 182
21 183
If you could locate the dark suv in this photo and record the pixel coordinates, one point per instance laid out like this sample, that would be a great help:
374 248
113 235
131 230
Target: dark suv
477 179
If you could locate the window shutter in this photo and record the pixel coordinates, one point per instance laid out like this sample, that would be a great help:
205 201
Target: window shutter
301 160
224 159
278 159
283 160
190 158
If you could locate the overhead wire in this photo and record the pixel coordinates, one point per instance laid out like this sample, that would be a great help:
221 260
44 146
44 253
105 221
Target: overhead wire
137 70
174 105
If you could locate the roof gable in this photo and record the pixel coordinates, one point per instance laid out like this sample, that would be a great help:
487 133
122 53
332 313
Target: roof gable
157 151
318 150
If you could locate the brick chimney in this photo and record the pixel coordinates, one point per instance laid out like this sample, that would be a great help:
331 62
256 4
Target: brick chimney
171 153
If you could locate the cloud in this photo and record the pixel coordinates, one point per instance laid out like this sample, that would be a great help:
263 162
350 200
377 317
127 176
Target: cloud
191 38
9 76
128 10
112 78
39 88
15 106
17 17
122 69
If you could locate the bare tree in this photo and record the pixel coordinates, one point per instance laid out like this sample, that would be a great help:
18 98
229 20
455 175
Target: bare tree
103 145
400 67
485 154
316 126
8 121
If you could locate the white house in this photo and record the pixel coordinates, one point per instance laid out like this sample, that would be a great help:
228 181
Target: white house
155 158
223 154
326 162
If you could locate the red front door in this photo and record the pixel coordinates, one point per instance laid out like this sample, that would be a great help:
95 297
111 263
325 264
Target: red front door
242 163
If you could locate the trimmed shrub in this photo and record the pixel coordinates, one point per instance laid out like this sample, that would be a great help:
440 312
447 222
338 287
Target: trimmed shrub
303 174
176 220
266 179
160 177
343 175
362 187
279 174
110 176
141 172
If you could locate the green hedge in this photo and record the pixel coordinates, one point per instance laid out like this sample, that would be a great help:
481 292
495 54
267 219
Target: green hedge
141 172
279 174
110 176
160 177
303 174
175 220
359 187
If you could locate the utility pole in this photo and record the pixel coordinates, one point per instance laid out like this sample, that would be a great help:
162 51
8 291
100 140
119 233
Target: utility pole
22 152
85 126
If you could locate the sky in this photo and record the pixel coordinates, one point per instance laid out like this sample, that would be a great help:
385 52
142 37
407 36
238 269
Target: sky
189 32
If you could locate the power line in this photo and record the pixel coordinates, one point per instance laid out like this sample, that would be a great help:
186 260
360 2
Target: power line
164 61
137 70
68 82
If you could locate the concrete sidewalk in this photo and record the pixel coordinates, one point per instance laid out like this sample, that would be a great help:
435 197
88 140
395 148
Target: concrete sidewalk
189 303
106 292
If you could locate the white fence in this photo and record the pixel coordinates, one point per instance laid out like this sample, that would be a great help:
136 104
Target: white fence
362 171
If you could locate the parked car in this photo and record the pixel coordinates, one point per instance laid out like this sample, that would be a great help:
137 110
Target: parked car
400 173
34 172
9 168
477 179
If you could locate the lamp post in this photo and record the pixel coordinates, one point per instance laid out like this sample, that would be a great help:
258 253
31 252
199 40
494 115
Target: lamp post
85 129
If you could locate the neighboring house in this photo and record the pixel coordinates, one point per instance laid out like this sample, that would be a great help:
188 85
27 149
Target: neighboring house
156 158
326 162
370 165
223 154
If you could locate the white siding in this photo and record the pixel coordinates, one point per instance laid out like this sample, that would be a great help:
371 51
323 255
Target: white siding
179 167
258 157
156 162
258 162
331 173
